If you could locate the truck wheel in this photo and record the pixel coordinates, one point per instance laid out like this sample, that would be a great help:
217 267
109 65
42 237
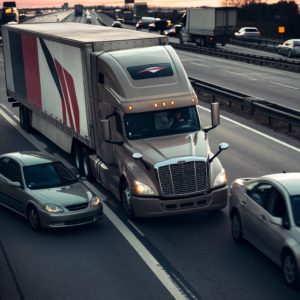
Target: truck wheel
27 125
181 40
21 116
236 227
127 201
290 269
78 158
86 165
290 55
203 42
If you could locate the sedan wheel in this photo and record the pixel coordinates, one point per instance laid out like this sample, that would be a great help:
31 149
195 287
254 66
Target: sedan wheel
127 201
290 55
236 227
34 219
290 270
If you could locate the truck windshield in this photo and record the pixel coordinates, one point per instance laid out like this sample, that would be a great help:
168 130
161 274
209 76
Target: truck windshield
161 123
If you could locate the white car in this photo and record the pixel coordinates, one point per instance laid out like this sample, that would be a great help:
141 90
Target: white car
247 32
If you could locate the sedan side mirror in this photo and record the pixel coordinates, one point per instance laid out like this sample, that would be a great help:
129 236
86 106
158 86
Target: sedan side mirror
276 221
16 184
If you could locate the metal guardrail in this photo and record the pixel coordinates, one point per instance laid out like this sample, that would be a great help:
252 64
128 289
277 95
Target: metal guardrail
269 109
248 58
260 41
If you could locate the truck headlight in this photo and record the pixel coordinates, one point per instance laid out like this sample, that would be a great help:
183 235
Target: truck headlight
221 178
142 188
52 208
95 201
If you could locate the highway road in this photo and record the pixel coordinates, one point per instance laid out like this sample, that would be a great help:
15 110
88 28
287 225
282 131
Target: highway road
103 261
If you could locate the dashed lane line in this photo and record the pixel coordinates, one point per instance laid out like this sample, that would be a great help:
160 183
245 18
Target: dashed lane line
290 87
239 74
200 65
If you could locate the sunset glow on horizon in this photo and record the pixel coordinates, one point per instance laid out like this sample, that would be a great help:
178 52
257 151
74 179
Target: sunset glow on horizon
164 3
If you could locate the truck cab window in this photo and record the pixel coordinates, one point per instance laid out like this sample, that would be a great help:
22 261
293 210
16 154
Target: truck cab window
161 123
119 124
101 78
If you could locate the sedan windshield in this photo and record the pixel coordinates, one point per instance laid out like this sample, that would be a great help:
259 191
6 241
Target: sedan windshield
161 123
295 201
48 175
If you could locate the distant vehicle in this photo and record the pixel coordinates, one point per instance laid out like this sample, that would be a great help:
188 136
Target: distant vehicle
247 32
160 25
290 48
88 20
116 24
39 187
9 13
208 25
174 31
144 22
78 10
140 9
266 211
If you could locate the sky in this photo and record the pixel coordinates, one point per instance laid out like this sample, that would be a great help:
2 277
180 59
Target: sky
170 3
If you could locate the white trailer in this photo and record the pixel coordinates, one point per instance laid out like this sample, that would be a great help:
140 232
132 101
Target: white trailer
140 10
208 25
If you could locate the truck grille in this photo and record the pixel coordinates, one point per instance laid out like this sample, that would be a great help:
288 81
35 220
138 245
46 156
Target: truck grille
183 178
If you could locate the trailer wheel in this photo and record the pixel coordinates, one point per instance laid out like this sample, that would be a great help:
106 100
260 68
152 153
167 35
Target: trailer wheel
203 42
27 125
86 165
78 158
180 40
21 116
127 201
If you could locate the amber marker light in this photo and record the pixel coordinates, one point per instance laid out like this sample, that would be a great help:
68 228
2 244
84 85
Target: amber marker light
164 104
130 107
193 99
172 102
155 105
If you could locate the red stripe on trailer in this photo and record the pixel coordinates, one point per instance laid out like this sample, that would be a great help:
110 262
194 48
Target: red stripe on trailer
65 92
73 97
32 71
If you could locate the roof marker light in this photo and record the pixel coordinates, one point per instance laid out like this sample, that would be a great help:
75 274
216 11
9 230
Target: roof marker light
155 105
193 99
130 107
164 104
172 102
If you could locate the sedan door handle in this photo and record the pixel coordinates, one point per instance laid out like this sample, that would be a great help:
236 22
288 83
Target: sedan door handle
263 219
243 203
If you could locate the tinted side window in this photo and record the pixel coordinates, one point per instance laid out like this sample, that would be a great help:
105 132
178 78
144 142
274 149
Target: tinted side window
119 125
14 172
277 206
260 193
3 165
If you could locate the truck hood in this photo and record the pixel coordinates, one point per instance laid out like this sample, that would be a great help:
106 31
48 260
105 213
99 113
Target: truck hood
64 195
159 149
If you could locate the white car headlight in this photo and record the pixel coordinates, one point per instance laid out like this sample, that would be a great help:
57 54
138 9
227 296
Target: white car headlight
52 208
95 201
142 188
221 178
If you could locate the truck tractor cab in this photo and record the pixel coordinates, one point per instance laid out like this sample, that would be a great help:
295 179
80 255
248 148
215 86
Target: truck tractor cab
9 13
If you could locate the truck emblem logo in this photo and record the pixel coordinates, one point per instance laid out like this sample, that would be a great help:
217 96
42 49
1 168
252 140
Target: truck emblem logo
181 162
153 69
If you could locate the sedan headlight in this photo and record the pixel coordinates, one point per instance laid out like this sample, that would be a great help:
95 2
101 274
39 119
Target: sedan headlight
52 208
142 188
95 201
221 178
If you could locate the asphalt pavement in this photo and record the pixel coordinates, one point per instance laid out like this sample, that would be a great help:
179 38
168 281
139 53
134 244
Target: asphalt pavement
196 251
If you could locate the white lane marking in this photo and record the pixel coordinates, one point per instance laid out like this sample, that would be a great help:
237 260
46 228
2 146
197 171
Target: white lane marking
136 228
148 258
238 74
200 65
253 130
290 87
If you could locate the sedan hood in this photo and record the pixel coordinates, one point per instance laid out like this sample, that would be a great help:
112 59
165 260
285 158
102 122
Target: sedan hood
64 195
159 149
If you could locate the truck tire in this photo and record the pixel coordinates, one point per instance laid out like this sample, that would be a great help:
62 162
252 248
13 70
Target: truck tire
21 116
27 125
290 55
87 172
203 42
181 40
126 201
78 158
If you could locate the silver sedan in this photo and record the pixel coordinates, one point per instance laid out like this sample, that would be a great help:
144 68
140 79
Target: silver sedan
290 48
39 187
266 211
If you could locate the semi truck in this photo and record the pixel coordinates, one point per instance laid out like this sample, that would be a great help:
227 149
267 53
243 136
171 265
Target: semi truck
121 103
140 10
208 25
8 13
78 10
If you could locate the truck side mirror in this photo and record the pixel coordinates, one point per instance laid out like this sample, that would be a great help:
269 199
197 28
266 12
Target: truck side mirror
106 130
222 146
215 116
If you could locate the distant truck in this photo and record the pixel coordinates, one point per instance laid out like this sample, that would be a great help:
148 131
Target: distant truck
208 25
122 104
78 10
140 10
9 13
128 15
